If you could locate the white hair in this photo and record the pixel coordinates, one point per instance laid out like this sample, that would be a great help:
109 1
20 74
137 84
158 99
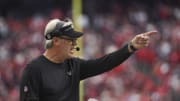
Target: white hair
48 44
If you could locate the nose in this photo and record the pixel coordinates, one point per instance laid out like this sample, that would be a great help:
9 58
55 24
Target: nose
74 42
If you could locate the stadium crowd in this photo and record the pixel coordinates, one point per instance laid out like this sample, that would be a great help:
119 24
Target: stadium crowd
151 74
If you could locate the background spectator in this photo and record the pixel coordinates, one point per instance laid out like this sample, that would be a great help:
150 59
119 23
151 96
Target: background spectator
151 74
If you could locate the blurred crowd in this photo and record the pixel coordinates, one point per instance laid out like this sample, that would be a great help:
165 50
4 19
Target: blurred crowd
150 74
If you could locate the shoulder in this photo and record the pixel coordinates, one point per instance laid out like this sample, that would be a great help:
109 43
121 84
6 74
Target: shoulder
33 65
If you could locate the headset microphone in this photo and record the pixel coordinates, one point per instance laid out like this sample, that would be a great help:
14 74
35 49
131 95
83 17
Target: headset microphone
77 49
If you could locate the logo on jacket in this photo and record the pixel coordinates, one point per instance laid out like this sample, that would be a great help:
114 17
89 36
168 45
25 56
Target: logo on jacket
25 89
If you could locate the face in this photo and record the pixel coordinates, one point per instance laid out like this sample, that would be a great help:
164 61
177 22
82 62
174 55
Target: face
67 46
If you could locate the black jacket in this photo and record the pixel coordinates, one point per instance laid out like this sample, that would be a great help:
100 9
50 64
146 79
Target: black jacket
43 80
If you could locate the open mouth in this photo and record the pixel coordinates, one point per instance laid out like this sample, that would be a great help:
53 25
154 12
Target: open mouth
72 50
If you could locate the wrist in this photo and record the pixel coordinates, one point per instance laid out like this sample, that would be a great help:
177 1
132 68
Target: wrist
131 48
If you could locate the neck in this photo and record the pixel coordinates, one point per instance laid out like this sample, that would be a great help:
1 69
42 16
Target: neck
53 56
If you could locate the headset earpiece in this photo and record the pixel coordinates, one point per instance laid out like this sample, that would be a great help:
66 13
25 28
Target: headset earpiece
48 36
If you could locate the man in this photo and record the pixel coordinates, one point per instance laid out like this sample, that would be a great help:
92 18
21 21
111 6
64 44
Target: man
55 75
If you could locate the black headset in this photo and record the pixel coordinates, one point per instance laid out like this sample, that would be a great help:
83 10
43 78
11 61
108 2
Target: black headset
58 31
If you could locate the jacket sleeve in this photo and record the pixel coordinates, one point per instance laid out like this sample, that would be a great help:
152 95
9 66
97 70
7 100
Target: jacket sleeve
29 85
90 68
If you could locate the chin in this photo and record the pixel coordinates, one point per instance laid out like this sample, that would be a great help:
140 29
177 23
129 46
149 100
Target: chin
71 56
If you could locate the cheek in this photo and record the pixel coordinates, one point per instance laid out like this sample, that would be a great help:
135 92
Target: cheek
65 48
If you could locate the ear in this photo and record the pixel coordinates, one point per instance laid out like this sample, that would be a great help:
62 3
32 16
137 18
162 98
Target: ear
56 40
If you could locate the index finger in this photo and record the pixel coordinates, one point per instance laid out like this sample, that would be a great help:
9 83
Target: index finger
150 33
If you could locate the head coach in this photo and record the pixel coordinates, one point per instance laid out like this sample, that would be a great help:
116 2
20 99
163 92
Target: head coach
55 75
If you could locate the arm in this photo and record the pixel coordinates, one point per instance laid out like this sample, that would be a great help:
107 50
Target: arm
103 64
93 67
29 87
